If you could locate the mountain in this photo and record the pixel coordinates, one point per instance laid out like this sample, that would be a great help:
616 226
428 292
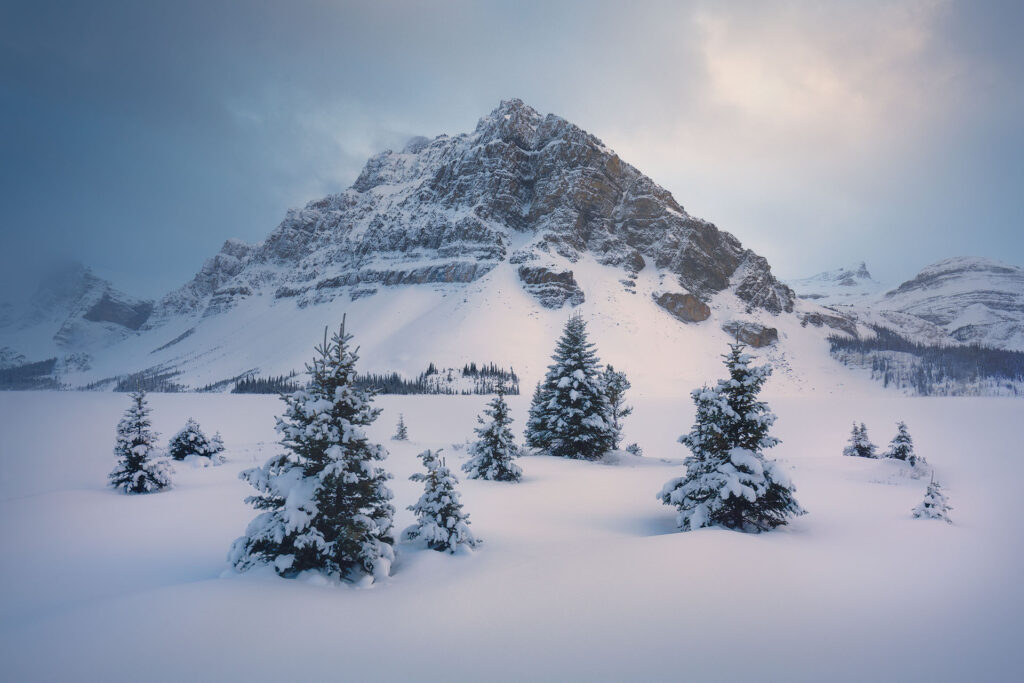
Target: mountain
963 300
973 300
473 247
838 287
467 248
71 311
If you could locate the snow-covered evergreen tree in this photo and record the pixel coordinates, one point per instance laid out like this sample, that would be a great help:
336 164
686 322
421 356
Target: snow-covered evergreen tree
574 411
537 435
440 520
859 444
217 446
401 431
935 504
191 441
728 481
140 468
493 454
325 499
902 446
615 386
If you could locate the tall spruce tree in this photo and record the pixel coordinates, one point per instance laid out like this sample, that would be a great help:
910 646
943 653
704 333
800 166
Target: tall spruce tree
326 499
440 520
615 386
493 454
935 504
574 413
728 481
140 469
537 435
902 446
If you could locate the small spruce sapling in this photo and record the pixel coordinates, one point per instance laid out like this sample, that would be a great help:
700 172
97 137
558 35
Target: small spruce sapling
493 454
860 445
615 386
902 447
401 431
191 441
440 520
140 469
935 504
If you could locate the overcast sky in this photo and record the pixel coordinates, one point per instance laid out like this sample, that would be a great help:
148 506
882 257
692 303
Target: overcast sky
138 136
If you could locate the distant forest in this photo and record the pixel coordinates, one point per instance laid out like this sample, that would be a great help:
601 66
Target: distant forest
928 370
472 379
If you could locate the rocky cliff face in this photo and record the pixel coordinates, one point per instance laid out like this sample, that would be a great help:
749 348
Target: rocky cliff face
533 189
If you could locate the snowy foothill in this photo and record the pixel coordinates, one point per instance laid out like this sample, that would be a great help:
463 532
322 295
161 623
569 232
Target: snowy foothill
583 573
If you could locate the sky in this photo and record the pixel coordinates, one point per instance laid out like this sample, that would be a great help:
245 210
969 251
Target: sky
137 137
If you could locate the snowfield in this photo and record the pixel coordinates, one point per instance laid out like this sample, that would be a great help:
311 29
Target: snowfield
581 574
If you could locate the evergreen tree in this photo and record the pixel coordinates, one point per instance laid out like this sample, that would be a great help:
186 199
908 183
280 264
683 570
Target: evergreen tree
191 441
325 499
574 410
492 456
217 446
537 435
440 520
935 504
139 467
902 446
728 481
859 444
401 432
615 386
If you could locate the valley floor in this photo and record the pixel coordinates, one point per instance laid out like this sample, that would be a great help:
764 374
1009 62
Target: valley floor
581 575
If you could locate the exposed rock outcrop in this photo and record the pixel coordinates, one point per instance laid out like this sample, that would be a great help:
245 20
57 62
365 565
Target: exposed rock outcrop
684 307
553 289
751 333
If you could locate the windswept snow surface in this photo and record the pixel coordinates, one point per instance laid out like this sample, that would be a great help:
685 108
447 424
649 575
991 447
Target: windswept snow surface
581 575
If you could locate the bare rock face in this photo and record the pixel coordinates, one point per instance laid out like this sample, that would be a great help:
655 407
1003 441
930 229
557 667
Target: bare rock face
836 322
685 307
129 313
552 288
751 333
422 214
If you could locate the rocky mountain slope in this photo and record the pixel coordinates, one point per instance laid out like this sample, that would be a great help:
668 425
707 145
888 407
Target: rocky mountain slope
531 190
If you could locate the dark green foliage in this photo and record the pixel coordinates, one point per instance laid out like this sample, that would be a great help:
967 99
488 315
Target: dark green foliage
30 376
571 416
615 386
493 454
139 468
728 481
932 370
325 499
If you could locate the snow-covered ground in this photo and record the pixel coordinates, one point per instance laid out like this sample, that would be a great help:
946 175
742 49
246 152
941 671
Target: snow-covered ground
581 575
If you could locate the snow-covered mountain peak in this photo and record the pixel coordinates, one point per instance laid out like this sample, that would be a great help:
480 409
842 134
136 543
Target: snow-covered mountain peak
842 286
